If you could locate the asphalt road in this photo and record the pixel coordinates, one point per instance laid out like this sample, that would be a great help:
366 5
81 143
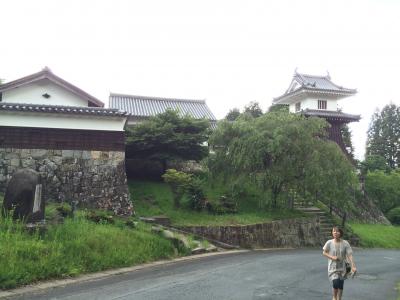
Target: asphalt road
273 274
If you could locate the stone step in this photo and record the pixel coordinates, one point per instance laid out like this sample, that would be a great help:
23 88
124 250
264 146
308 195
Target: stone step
308 209
317 213
327 227
325 222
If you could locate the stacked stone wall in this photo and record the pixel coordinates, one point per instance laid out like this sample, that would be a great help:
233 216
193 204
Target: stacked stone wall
94 179
301 232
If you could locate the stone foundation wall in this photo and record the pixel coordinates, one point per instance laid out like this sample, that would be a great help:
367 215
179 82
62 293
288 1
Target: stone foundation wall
94 179
301 232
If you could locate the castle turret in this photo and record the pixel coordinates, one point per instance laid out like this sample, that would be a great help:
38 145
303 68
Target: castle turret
318 96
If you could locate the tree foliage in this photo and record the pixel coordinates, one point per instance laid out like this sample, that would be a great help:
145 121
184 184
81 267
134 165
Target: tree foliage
346 137
253 109
284 154
374 163
394 215
168 136
279 108
384 189
179 183
384 135
233 114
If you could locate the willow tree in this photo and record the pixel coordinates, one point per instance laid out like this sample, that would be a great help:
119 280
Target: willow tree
282 153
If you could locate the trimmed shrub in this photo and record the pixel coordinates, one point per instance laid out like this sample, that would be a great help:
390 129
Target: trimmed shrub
394 215
197 200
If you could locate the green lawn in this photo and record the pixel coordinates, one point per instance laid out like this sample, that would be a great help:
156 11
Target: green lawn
378 236
155 198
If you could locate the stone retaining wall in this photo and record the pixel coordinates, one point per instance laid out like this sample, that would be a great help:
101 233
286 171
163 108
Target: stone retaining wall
91 178
301 232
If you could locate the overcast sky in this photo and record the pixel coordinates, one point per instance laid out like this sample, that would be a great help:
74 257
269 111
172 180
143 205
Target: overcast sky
227 52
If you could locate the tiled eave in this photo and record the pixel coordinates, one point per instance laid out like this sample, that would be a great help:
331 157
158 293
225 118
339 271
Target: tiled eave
145 106
58 109
331 115
139 119
304 90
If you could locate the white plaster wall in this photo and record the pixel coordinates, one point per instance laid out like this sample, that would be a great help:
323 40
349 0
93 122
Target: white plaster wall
312 103
32 94
47 120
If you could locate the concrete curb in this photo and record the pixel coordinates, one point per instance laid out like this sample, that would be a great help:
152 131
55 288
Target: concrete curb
4 294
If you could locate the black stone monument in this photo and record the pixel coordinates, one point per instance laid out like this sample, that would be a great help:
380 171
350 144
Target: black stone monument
24 196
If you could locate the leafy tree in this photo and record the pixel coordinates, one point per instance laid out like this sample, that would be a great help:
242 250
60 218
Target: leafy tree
168 136
374 163
337 179
233 114
283 154
253 108
384 189
384 135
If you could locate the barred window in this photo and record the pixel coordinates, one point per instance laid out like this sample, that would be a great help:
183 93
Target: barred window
321 104
298 106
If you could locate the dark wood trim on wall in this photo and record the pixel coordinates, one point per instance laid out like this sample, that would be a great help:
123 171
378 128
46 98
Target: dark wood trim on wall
61 139
335 134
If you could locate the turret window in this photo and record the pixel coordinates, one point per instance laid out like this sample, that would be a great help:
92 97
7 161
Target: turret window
321 104
297 106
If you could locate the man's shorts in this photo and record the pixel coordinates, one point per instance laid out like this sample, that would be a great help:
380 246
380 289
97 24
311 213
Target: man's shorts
338 284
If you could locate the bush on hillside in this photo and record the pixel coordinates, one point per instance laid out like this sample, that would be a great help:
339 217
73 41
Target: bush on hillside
394 215
179 183
103 217
225 205
197 199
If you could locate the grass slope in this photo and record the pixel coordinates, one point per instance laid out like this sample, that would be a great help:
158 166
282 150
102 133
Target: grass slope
378 236
78 246
155 198
75 247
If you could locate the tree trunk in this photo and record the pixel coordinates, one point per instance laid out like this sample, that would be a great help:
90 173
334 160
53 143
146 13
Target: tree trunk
344 219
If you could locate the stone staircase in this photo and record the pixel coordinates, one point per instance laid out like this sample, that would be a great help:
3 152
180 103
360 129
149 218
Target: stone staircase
325 220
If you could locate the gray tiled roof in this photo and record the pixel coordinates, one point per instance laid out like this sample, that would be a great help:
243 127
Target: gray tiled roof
319 82
60 109
143 106
314 84
330 114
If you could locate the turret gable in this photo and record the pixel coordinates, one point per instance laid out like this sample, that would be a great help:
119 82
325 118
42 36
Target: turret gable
304 85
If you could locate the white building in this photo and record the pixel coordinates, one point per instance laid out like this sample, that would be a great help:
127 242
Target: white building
50 125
